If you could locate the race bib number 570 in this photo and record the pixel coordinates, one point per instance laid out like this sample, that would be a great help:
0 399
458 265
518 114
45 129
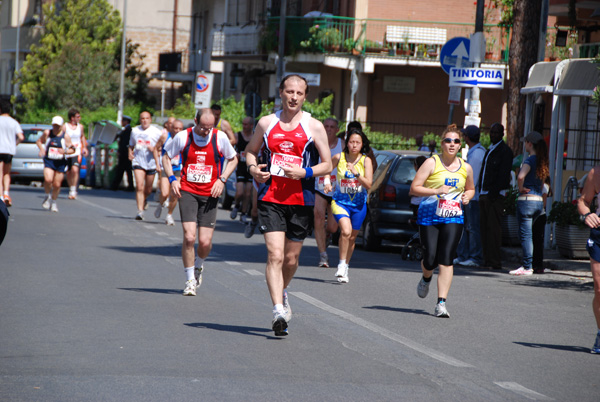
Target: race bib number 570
199 173
280 160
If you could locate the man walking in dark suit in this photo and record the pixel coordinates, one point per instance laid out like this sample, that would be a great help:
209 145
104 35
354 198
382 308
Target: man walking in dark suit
494 181
123 164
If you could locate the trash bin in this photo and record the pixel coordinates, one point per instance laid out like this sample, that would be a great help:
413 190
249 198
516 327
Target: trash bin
112 155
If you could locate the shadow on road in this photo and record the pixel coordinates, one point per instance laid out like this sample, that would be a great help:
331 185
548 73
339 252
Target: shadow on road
557 347
165 251
398 310
254 331
562 284
154 290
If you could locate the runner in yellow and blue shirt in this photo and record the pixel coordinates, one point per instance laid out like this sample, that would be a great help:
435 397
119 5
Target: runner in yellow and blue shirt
445 182
354 178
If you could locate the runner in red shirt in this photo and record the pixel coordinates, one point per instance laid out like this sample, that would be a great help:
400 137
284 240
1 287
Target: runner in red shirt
293 142
202 183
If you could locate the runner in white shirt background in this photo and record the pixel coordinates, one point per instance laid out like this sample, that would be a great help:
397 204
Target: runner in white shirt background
75 131
11 135
144 159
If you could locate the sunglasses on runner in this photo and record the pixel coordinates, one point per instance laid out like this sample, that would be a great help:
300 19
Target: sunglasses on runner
449 140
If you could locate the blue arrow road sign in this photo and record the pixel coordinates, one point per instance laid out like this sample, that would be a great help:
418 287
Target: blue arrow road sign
453 51
476 77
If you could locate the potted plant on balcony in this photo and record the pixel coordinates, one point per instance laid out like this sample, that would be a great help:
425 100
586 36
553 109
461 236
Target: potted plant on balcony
510 224
322 39
571 234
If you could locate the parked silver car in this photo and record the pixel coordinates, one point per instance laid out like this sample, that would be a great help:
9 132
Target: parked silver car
27 165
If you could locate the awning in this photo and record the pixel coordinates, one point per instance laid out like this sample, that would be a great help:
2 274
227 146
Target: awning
541 78
578 78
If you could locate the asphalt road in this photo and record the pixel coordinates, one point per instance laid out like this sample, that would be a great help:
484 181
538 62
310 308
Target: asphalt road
91 310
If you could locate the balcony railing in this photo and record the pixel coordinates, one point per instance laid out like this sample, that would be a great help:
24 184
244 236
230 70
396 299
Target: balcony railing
369 37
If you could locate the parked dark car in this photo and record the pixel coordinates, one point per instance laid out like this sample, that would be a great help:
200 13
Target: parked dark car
388 202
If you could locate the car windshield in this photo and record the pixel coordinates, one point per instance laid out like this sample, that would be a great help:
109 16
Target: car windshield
32 134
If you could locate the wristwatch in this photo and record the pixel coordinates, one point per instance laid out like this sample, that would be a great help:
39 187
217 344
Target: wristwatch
223 180
357 175
582 217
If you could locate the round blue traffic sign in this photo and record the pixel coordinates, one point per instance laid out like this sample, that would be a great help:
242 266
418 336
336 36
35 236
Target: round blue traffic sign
455 53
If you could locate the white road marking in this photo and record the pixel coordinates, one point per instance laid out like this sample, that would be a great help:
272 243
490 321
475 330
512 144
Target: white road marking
382 331
174 260
521 390
232 263
253 272
112 211
149 227
162 234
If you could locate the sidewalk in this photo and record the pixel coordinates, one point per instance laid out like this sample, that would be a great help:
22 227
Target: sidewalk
552 260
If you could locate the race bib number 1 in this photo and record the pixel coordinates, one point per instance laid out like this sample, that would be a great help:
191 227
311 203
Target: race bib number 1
199 173
448 208
279 160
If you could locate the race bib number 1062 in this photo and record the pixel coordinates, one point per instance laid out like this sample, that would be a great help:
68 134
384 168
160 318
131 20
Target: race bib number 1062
448 208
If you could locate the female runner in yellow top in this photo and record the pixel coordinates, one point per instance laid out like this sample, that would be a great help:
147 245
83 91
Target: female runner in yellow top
349 205
446 183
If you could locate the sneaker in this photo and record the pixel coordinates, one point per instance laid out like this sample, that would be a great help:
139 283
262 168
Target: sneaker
469 263
46 203
250 228
234 213
170 221
190 288
341 270
286 307
324 262
457 261
423 288
158 211
521 272
8 200
72 195
198 275
54 207
279 324
344 277
441 311
139 216
596 348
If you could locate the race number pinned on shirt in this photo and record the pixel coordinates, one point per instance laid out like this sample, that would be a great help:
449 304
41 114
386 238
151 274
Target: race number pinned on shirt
242 156
350 186
321 182
280 160
141 145
448 208
54 153
198 173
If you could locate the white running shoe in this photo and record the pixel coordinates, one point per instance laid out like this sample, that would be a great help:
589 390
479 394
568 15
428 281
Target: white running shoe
423 288
72 195
469 263
139 216
344 277
441 311
198 275
170 221
457 261
234 213
341 270
324 262
521 272
54 207
279 324
46 203
158 211
190 288
286 306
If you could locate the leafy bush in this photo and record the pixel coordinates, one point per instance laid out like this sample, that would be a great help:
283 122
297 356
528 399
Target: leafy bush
565 214
510 201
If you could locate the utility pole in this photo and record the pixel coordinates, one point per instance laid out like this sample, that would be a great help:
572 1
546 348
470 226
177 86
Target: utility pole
16 84
280 58
123 61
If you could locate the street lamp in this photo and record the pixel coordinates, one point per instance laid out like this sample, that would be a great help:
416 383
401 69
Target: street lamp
123 61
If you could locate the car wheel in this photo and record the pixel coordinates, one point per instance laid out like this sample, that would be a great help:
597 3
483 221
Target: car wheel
418 253
404 253
371 242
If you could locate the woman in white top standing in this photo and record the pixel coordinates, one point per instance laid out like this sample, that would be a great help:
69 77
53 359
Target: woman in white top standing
75 131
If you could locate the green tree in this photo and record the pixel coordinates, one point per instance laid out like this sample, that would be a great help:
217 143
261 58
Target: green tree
76 59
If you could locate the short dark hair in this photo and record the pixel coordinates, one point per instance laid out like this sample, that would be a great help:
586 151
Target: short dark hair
216 107
366 147
72 112
297 76
4 106
497 128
